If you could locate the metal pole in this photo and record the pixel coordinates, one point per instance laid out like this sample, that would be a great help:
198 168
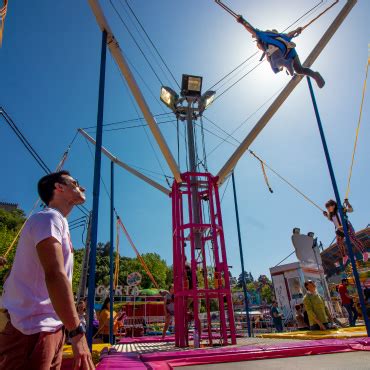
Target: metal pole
134 88
96 190
194 203
111 293
340 210
125 166
241 257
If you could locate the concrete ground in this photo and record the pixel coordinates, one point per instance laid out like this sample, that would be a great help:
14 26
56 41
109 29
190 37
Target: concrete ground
338 361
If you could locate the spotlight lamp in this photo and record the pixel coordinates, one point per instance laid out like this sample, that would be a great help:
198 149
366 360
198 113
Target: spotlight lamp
191 85
207 99
169 97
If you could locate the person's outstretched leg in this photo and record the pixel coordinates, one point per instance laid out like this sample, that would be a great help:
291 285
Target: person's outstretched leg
299 69
342 249
357 243
166 325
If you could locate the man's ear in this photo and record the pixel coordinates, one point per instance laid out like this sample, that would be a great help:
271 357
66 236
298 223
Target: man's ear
59 187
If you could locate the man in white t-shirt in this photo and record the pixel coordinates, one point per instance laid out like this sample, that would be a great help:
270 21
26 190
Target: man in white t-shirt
38 302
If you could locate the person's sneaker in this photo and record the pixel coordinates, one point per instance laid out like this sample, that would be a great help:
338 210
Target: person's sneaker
365 256
345 260
319 80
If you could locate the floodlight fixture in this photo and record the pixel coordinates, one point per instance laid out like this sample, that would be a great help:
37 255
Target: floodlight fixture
169 97
207 99
191 86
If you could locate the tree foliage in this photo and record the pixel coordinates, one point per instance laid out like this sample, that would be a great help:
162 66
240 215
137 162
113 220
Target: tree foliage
10 223
248 279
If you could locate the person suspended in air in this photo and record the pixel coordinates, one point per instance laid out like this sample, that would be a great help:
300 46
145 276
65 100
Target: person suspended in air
333 215
280 51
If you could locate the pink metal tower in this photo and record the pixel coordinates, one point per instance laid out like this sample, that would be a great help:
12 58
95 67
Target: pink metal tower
201 275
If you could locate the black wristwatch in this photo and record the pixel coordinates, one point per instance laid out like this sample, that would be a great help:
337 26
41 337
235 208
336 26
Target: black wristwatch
79 330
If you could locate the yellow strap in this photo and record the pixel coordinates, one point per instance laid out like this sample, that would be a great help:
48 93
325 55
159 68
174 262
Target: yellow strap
357 131
265 177
286 181
3 12
116 268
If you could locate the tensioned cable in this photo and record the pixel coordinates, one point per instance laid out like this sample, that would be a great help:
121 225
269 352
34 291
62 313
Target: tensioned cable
146 133
251 56
152 43
146 45
24 141
136 43
126 121
134 126
278 175
246 120
238 80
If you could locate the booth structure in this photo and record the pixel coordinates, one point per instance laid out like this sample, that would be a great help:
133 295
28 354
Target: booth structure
288 279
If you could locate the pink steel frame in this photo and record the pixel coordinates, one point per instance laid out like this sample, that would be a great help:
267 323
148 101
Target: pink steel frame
184 231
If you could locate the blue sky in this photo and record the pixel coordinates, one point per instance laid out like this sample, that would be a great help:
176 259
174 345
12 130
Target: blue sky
49 83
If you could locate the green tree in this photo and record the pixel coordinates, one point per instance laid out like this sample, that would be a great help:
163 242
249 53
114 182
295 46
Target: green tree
248 279
10 224
267 294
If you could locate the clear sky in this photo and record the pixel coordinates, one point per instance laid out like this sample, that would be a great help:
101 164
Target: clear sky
49 85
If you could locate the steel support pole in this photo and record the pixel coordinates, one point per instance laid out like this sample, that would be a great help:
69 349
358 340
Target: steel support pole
111 293
96 190
340 209
246 302
195 215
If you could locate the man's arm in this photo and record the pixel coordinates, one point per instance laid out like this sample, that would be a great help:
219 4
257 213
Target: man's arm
57 283
61 296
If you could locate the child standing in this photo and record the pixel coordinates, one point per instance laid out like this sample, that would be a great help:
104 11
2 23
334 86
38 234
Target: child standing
333 215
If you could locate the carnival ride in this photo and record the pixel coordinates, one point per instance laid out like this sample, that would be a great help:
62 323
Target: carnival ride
196 209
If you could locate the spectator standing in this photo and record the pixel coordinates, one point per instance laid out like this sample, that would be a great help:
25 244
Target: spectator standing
169 309
38 302
347 302
318 314
104 321
277 317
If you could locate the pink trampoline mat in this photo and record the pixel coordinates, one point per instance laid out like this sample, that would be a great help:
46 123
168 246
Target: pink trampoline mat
171 360
158 339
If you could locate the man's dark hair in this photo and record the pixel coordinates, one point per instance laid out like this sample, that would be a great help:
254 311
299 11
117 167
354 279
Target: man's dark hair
307 282
46 185
344 280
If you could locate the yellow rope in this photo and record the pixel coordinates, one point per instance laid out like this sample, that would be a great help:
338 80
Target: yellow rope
141 260
3 12
286 181
357 131
265 177
116 267
59 167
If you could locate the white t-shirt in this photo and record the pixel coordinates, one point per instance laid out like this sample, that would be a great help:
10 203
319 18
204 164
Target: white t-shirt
25 294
